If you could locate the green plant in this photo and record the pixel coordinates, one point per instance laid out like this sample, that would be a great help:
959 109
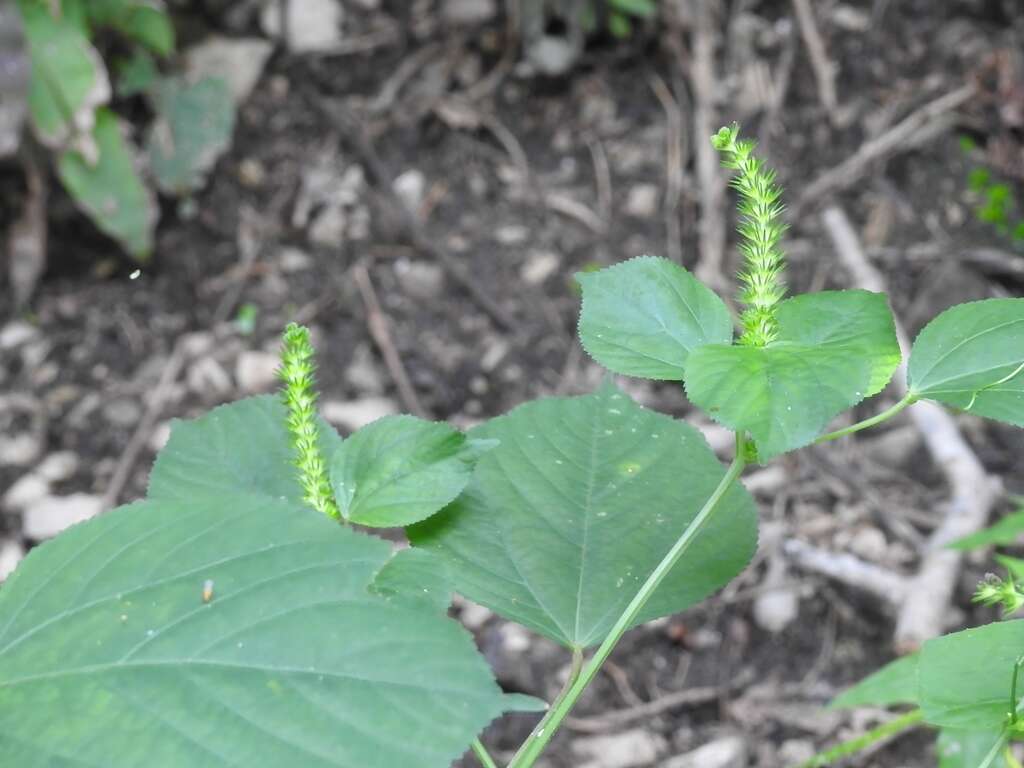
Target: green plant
225 620
69 96
997 204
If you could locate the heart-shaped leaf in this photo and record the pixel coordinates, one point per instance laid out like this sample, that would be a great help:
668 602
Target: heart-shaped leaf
834 349
109 189
965 678
972 357
228 630
400 469
570 514
643 317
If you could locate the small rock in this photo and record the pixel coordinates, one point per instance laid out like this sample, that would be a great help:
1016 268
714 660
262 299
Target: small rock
208 379
197 343
869 544
19 450
328 228
313 25
53 514
776 609
355 414
293 260
511 234
11 553
642 200
58 467
469 12
514 639
239 61
420 279
122 412
410 187
256 371
728 752
363 373
796 751
251 173
552 55
161 434
25 491
16 333
474 616
496 352
539 266
628 749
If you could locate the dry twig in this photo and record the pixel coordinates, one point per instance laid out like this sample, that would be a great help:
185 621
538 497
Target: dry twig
674 159
824 69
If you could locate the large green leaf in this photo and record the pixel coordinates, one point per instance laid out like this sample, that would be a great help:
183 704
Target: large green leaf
834 349
895 683
1005 531
972 357
242 447
192 130
144 21
582 498
111 656
399 470
965 677
69 80
109 189
415 575
958 748
643 317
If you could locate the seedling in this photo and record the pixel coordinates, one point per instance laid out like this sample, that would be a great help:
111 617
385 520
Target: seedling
577 517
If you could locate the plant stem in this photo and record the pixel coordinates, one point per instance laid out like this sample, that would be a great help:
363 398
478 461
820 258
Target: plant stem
908 399
482 755
538 730
539 739
865 740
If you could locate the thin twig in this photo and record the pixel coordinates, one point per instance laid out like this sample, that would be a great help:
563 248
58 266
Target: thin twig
911 131
824 68
380 330
673 166
602 178
972 492
848 569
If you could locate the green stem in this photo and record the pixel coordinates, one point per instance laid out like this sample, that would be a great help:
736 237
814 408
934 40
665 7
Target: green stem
539 739
482 755
996 749
542 726
908 399
865 740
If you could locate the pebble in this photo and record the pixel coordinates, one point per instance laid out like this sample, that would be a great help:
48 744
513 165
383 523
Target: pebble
469 12
52 514
25 491
16 333
410 186
58 467
328 228
628 749
776 609
256 371
728 752
11 553
355 414
511 234
420 279
19 450
161 434
474 616
539 266
363 373
869 544
642 200
293 260
313 25
796 751
208 379
122 412
239 61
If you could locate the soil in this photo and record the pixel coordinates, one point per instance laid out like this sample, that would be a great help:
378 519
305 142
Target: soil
102 340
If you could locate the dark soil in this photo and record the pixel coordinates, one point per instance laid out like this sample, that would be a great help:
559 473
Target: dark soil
104 339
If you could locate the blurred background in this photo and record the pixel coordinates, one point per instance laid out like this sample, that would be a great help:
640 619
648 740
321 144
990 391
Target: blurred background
417 181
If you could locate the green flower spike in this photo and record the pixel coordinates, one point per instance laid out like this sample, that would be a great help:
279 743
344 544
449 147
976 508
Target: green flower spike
995 591
760 229
299 395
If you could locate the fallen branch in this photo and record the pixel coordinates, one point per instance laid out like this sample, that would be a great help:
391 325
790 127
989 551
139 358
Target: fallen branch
926 597
847 569
824 69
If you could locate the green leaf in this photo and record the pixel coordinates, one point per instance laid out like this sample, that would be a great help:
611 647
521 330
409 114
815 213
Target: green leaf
192 130
69 80
965 677
643 8
137 75
416 576
399 470
143 21
895 683
1006 531
243 447
958 748
582 498
1014 565
110 656
834 349
109 190
972 357
644 317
